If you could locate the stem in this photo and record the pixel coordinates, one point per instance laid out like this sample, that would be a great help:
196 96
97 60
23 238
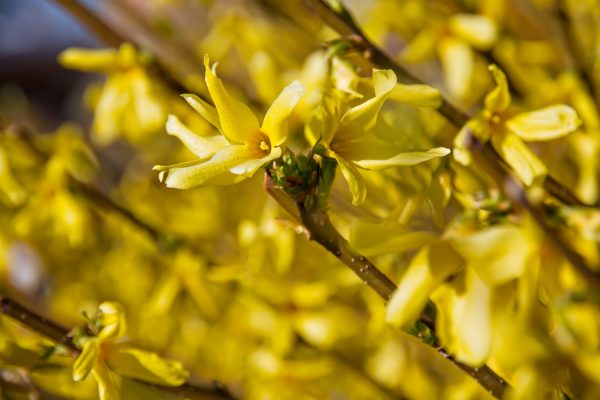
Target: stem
321 230
344 24
62 336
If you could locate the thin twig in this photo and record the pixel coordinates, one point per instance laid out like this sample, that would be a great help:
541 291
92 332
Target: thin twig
62 336
345 25
321 230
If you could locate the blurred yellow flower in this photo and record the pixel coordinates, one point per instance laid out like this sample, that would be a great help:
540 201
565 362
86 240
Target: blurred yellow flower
244 146
130 103
102 354
347 134
507 132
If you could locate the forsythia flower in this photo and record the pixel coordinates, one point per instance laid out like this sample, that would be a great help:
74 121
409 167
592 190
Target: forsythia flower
101 352
130 103
507 132
244 146
454 41
348 137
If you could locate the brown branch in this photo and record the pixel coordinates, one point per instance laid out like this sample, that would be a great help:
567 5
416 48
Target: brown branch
345 25
173 68
63 336
322 231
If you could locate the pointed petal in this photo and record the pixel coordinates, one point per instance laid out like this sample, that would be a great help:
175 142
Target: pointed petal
249 167
499 98
237 120
477 30
107 390
207 111
324 122
545 124
464 318
499 254
86 360
457 59
219 164
146 366
201 146
417 95
89 60
275 123
354 179
361 118
403 159
427 270
473 327
522 160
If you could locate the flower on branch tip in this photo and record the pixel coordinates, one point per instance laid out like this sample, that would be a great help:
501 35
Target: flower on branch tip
507 132
347 135
107 359
244 145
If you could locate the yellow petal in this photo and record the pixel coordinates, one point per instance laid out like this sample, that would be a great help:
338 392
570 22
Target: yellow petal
218 165
146 366
324 122
417 95
201 146
427 270
249 167
545 124
107 390
89 60
477 30
113 321
403 159
110 109
203 108
86 360
375 239
361 118
354 179
523 161
275 122
457 59
499 98
499 254
422 47
464 318
237 120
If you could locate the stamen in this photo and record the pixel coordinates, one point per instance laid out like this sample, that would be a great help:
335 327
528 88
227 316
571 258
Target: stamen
264 146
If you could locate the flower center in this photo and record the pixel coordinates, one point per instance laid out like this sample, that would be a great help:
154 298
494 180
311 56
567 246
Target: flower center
259 144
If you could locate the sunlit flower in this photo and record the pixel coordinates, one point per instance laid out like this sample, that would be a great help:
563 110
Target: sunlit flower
130 103
244 145
347 134
507 131
102 354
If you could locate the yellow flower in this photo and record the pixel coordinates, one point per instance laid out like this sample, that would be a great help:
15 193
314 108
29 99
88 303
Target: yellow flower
454 41
244 146
348 136
508 132
130 102
101 355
